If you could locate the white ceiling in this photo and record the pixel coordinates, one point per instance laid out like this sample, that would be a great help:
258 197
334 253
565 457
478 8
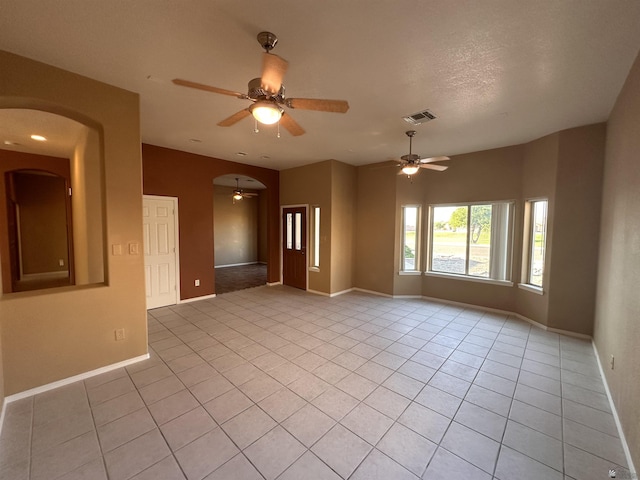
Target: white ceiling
495 72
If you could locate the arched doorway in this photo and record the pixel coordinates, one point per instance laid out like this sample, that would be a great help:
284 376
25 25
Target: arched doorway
240 215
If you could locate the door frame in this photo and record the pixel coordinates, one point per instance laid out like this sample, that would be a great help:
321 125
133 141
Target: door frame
294 205
176 233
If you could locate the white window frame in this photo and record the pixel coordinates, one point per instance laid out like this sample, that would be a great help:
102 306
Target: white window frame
501 239
528 242
417 270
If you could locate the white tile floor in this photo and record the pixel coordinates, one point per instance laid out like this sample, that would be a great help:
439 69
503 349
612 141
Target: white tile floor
275 383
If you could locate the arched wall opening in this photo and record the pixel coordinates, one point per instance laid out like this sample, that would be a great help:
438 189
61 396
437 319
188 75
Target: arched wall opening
240 225
72 152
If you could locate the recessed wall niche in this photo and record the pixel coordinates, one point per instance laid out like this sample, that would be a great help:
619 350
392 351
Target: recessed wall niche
51 202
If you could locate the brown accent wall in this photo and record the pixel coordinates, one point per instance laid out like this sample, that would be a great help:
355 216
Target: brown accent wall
11 161
617 318
53 334
190 178
43 222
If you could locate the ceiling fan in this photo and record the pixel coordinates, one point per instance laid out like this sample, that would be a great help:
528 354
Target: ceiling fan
412 162
267 93
239 194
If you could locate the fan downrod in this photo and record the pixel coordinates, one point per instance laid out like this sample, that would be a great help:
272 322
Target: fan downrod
267 40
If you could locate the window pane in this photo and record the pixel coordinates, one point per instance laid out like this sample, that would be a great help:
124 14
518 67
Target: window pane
449 239
472 240
538 242
298 227
410 237
480 237
316 237
289 231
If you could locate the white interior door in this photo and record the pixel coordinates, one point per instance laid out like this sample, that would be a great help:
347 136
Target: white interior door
160 256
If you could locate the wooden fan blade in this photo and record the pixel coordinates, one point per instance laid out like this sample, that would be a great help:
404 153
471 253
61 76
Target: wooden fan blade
434 159
207 88
291 125
273 70
235 118
437 168
249 194
320 105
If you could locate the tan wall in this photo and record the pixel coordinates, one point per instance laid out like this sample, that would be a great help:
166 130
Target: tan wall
617 318
87 201
409 192
57 333
235 228
190 178
539 171
375 229
343 196
311 185
576 224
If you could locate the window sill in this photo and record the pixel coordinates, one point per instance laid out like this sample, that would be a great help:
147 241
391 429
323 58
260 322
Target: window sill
531 288
453 276
409 272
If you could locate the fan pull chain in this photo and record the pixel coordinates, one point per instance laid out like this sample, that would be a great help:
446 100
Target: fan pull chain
255 129
278 128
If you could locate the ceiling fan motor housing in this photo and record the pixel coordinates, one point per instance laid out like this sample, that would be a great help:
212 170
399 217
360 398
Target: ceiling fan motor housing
256 92
267 40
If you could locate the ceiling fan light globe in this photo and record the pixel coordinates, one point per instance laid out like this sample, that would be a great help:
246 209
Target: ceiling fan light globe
237 196
410 169
266 112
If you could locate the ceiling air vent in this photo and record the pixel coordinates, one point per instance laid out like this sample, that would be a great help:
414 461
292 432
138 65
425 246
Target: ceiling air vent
420 117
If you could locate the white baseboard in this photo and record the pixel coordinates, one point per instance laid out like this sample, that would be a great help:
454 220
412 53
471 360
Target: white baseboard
66 381
197 299
625 445
513 314
317 292
372 292
330 295
238 264
273 284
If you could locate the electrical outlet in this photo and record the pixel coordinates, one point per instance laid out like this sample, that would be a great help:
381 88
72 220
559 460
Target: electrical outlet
197 283
612 362
61 262
119 334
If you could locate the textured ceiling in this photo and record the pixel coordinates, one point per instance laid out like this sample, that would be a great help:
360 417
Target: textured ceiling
495 72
